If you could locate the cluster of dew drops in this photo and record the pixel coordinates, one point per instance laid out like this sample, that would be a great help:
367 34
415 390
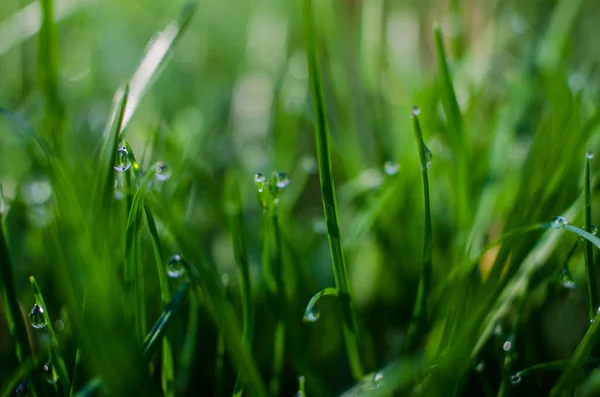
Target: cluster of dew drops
123 163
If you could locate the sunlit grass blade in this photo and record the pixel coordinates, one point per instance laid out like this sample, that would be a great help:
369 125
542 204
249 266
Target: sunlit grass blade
239 248
328 192
419 319
49 74
161 326
55 352
455 133
12 312
589 254
167 369
150 66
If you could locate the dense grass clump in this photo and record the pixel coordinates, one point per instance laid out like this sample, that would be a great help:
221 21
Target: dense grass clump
306 198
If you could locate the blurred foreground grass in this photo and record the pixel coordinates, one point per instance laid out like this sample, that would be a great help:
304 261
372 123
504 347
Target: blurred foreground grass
183 262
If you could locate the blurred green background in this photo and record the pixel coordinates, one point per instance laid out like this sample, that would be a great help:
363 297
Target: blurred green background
232 99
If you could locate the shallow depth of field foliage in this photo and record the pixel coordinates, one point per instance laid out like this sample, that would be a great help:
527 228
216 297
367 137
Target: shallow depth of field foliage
180 180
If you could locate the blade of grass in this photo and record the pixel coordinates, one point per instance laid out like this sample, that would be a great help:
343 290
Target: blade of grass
49 74
455 132
90 388
167 369
55 353
236 221
419 318
162 324
189 347
219 367
328 192
16 325
589 254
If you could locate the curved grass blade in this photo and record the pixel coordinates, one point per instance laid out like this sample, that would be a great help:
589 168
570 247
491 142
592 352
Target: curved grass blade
328 192
90 388
589 254
150 66
55 354
162 324
311 313
167 369
419 318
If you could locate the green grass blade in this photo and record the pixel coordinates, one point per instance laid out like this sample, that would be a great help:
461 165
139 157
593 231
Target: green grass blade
90 388
151 64
159 329
55 354
16 325
167 367
49 73
220 361
236 221
589 254
311 313
328 192
419 319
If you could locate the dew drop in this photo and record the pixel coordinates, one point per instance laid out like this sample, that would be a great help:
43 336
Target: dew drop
119 194
22 389
49 373
415 111
281 180
37 191
480 367
589 155
507 346
566 280
175 266
261 181
378 377
122 161
515 379
428 158
313 315
36 317
391 167
163 172
594 230
559 222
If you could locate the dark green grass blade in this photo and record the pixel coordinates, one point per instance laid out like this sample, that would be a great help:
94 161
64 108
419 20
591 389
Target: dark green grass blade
167 369
419 319
219 362
49 74
241 257
16 325
90 388
189 347
328 192
55 353
589 254
455 132
161 326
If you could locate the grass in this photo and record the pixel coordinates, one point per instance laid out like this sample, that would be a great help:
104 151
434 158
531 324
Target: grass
162 264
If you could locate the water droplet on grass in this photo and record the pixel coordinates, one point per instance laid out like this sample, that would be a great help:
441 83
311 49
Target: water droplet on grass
594 230
480 367
281 180
415 111
589 154
507 346
261 181
49 373
566 280
515 379
37 191
313 315
559 222
122 161
428 157
175 266
36 317
163 172
391 167
22 389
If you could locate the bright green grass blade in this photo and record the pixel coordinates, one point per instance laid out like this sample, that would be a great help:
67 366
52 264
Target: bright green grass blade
236 222
16 325
49 74
159 329
455 132
311 313
90 388
167 369
589 254
328 192
151 64
55 354
419 318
